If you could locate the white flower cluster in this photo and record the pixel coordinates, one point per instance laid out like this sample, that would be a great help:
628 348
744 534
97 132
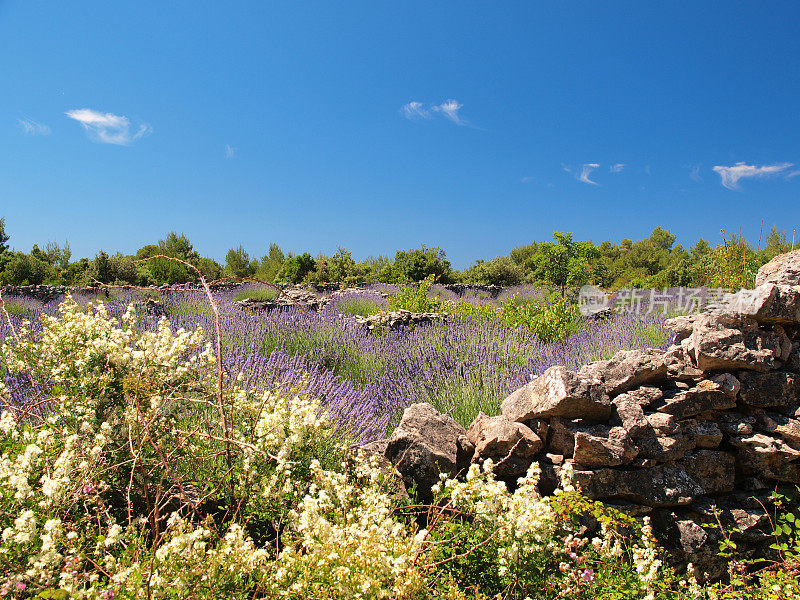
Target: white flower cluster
346 539
523 522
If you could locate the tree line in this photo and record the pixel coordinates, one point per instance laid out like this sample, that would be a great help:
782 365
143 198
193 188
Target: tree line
653 262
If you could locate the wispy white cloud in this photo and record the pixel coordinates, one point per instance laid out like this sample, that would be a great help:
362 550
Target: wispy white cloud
793 174
415 110
527 179
31 127
617 168
230 151
450 108
695 173
586 171
108 128
730 176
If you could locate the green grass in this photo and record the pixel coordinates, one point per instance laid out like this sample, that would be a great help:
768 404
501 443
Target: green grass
362 307
263 294
16 308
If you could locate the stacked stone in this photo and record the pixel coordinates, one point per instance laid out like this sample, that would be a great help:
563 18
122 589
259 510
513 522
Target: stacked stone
44 292
713 421
395 319
295 296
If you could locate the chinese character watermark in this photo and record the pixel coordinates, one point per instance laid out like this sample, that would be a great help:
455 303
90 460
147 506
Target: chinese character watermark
667 301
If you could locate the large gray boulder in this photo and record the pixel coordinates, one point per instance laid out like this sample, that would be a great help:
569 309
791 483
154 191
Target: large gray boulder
662 485
558 392
725 342
767 390
783 270
780 425
510 445
610 450
628 369
425 444
706 395
630 414
665 439
680 326
767 457
673 484
767 304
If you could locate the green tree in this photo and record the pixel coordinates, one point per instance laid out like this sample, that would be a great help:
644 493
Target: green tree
501 270
419 263
4 237
238 263
58 255
735 263
164 271
210 269
565 262
271 263
101 269
776 244
296 268
24 269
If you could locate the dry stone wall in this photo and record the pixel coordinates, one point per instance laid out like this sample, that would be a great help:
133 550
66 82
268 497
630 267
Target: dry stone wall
713 421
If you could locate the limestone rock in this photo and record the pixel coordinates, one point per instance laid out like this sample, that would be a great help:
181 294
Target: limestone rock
707 395
783 270
604 451
781 425
663 448
706 434
561 435
767 303
425 444
628 369
775 389
679 363
681 326
732 423
558 392
767 457
662 485
793 361
725 342
629 413
690 542
713 470
510 445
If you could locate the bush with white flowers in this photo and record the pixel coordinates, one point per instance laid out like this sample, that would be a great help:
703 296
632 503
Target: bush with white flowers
131 472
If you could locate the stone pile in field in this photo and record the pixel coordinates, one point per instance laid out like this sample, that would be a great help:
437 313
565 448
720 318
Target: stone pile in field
395 319
713 421
293 296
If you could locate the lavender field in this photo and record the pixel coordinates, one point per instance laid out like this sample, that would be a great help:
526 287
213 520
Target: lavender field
366 379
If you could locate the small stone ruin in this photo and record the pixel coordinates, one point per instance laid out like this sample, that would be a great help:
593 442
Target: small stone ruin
712 423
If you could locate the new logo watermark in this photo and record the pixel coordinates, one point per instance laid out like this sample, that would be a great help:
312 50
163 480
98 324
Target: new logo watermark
592 300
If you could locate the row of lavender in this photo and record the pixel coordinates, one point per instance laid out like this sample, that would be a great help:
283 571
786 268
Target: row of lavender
366 380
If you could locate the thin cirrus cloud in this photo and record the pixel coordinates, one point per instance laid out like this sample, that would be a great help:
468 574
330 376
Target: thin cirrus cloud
586 171
415 110
108 128
617 168
449 109
230 151
31 127
730 176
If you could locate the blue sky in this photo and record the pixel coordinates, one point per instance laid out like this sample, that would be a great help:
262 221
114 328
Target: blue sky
475 126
